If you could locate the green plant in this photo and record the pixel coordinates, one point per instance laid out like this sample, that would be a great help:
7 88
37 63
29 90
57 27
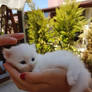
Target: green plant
58 32
87 54
67 22
39 31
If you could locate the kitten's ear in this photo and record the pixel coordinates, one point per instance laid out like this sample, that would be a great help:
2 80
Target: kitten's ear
6 53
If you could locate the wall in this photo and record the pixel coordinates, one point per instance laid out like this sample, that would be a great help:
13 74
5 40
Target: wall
54 3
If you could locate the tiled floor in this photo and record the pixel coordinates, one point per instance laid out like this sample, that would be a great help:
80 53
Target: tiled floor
9 86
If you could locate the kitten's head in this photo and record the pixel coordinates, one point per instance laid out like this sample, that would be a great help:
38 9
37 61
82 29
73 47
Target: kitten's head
22 57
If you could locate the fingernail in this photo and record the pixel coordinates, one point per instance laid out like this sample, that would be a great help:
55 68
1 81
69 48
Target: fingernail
22 76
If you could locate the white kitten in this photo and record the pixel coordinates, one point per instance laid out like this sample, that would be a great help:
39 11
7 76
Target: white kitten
25 58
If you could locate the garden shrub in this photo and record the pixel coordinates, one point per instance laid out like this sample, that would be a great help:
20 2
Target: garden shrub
87 55
58 32
68 22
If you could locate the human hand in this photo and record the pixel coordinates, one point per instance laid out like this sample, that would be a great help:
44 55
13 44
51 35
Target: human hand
9 39
53 80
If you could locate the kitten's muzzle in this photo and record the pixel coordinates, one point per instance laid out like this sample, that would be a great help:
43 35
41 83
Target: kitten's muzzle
27 68
31 67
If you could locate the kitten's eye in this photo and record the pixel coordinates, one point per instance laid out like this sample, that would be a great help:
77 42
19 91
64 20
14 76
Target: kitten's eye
33 59
23 62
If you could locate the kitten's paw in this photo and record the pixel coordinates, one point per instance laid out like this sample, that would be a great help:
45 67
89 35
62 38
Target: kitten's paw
72 77
71 80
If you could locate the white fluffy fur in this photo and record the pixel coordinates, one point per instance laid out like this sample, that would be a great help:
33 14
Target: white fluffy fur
77 75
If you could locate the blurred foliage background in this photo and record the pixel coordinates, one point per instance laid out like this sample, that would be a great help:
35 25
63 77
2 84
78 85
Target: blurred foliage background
59 32
87 54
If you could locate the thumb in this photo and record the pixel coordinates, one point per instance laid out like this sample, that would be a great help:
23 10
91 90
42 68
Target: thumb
43 76
33 77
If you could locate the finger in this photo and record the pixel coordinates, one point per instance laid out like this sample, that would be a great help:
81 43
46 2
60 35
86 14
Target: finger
15 77
44 77
20 85
7 41
15 74
26 86
12 71
34 77
18 36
